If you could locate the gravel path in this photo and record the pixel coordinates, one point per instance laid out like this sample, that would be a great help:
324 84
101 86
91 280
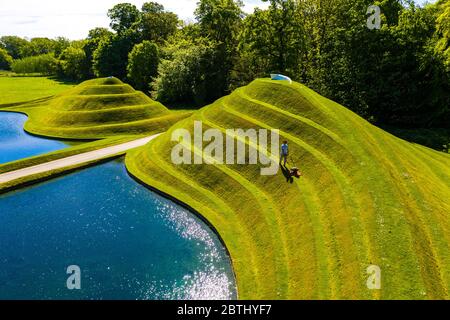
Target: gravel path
75 160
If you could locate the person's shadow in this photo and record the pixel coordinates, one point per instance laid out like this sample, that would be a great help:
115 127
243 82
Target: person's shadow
287 174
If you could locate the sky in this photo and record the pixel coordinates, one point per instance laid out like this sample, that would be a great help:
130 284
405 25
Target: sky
73 19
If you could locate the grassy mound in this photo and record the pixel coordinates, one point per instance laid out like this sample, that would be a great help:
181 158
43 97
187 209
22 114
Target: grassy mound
99 108
366 198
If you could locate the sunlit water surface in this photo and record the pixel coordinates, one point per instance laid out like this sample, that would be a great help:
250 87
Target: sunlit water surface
129 242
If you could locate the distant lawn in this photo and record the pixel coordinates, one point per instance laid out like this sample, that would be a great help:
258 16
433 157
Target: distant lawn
20 89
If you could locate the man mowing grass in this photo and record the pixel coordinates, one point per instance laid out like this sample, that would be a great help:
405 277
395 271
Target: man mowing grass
294 172
284 152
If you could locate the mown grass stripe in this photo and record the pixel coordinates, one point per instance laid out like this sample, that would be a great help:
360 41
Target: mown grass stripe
394 277
306 121
265 201
348 199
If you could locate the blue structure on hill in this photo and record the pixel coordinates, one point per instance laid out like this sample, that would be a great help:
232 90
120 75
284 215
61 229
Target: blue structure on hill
280 77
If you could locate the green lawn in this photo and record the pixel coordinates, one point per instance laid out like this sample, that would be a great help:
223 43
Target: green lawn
366 198
21 89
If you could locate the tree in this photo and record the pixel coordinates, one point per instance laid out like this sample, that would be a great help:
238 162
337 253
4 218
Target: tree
99 33
386 75
111 56
107 59
123 16
91 44
14 45
394 63
276 38
442 46
342 53
188 73
143 63
5 60
60 44
152 7
220 21
73 63
156 24
39 46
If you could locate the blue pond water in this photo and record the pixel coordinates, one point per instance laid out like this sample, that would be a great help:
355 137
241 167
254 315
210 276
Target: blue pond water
16 144
129 242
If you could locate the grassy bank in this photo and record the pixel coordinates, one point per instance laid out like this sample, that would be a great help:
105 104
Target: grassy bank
366 198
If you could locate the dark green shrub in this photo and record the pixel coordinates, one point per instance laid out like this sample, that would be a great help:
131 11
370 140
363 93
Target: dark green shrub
45 64
5 60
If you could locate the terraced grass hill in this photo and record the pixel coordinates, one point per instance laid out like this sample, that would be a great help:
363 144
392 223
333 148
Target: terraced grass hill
97 109
366 198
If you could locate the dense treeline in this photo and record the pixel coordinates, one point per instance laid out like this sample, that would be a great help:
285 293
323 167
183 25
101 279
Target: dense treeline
398 74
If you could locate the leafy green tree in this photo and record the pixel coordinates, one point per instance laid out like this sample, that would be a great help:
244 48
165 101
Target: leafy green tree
39 46
91 45
14 45
152 7
443 32
111 56
390 76
5 60
248 67
156 24
73 63
343 53
107 58
275 38
187 73
287 34
143 63
220 22
60 44
220 19
386 75
123 16
393 76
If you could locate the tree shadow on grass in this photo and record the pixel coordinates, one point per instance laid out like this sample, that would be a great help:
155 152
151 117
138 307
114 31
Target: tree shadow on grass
435 138
176 106
64 81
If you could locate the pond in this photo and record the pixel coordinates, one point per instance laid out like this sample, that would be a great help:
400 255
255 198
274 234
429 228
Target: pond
128 242
16 144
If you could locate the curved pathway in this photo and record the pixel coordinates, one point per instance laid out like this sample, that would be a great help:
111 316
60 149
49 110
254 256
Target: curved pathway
75 160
